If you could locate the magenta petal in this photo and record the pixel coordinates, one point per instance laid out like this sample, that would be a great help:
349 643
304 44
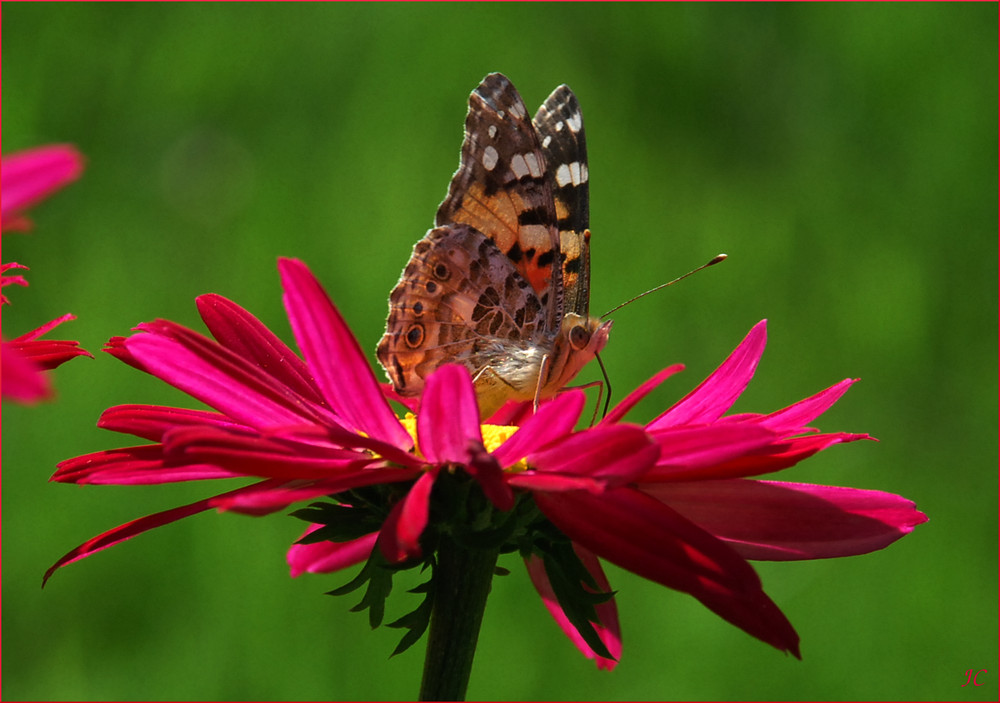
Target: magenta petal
132 466
630 401
152 421
399 539
719 391
794 418
253 455
32 175
553 420
240 332
609 629
776 521
696 451
337 362
268 496
448 423
777 456
218 378
616 453
638 533
326 557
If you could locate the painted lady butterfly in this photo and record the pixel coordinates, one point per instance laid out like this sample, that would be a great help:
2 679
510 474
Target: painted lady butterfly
502 283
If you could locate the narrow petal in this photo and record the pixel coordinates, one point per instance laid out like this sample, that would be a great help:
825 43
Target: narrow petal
615 453
133 466
609 629
448 423
638 533
768 520
337 362
218 378
774 457
719 391
47 354
240 332
152 421
327 557
553 420
632 399
269 496
794 418
253 455
696 451
399 539
128 531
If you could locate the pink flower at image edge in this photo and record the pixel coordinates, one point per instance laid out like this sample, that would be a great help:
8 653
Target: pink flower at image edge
29 177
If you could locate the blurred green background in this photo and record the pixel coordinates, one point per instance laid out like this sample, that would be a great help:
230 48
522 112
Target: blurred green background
844 156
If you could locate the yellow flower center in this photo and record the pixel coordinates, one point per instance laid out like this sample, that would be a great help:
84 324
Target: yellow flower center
493 437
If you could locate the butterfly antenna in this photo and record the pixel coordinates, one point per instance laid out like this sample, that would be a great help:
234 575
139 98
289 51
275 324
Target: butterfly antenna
713 262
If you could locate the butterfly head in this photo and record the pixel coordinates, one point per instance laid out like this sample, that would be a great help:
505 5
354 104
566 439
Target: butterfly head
580 339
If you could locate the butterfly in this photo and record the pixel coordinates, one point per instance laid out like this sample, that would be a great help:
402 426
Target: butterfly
501 284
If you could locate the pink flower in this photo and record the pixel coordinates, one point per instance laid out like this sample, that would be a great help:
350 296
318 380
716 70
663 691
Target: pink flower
641 497
28 177
31 176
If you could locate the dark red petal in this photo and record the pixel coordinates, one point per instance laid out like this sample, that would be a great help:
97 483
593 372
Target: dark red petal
129 530
615 453
399 539
638 533
696 451
785 521
775 457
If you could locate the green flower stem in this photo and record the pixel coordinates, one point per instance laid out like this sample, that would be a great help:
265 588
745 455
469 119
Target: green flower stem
461 584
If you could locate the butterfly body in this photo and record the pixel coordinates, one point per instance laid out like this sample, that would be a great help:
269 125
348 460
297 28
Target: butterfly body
501 284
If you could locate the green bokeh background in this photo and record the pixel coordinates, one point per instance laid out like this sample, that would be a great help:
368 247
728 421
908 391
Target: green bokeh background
844 156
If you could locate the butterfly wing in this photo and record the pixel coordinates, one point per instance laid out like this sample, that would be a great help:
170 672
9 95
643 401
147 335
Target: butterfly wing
503 189
461 300
559 123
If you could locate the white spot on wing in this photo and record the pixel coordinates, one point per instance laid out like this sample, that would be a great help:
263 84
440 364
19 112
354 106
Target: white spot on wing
563 176
547 141
519 166
533 166
575 173
575 123
490 157
518 111
493 131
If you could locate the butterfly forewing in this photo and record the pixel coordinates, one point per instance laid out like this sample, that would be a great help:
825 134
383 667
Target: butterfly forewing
559 123
502 189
